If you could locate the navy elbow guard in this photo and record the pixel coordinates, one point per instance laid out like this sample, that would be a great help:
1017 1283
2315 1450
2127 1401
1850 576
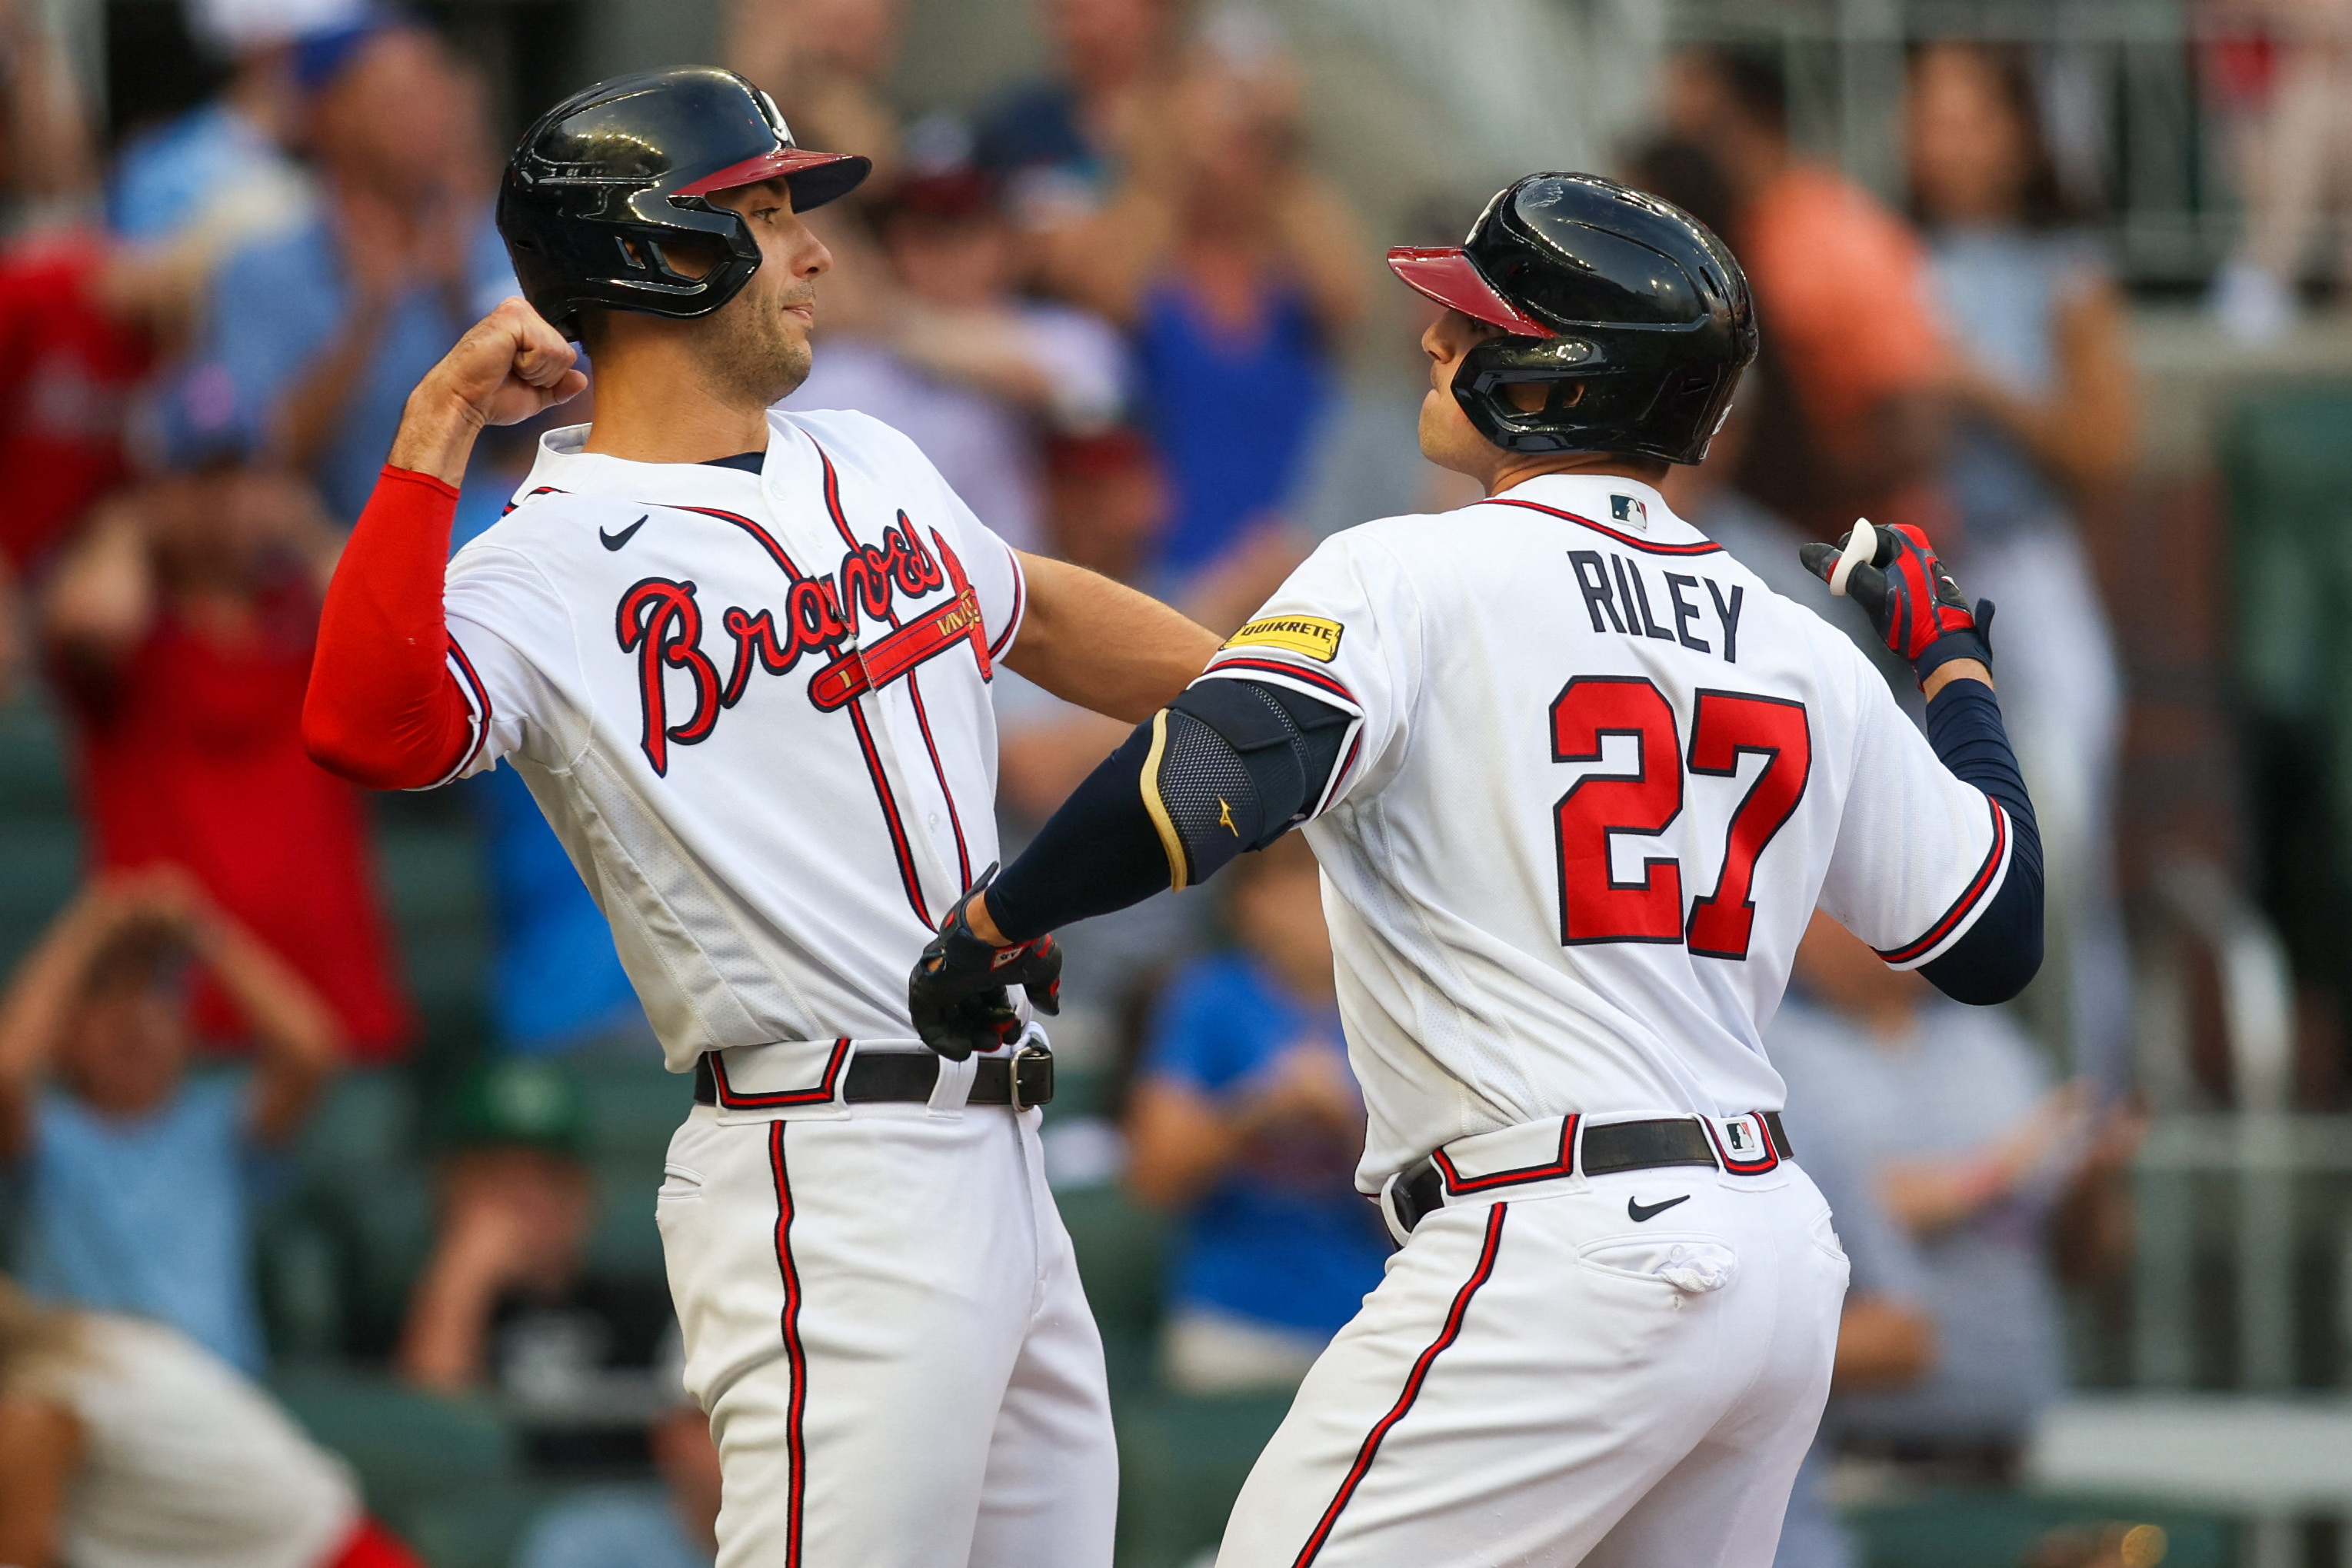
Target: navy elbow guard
2000 955
1233 766
1230 766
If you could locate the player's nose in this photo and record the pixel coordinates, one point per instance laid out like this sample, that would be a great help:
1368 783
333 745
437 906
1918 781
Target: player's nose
1432 343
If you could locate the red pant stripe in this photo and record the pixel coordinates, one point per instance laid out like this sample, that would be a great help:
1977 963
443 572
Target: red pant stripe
1447 1336
795 1451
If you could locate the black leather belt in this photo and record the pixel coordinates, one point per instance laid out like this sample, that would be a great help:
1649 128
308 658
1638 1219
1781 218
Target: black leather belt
909 1075
1603 1150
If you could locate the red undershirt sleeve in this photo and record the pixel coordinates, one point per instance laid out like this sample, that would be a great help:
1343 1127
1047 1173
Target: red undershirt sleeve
384 709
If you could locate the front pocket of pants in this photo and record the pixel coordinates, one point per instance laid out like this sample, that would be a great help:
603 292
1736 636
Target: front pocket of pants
680 1184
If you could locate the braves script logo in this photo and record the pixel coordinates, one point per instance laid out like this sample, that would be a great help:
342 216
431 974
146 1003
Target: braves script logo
661 623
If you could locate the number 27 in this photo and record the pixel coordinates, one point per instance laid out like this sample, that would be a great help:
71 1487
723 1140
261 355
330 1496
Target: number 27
1594 906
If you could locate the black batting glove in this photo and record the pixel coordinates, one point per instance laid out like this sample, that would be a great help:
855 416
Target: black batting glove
1895 575
957 993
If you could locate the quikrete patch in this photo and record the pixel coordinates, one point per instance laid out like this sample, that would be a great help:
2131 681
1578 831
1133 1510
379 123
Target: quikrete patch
1308 634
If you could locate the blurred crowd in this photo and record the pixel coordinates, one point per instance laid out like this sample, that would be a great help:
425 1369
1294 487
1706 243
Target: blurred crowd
1131 321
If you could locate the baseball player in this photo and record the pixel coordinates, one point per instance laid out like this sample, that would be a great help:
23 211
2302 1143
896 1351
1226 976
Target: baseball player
1577 780
743 660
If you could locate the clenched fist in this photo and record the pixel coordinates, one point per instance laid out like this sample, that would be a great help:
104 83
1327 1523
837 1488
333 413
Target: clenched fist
510 366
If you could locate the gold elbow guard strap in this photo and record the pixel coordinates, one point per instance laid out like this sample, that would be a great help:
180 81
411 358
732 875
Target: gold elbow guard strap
1171 843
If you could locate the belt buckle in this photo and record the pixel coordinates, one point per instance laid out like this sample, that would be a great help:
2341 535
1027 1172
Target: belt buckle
1023 1090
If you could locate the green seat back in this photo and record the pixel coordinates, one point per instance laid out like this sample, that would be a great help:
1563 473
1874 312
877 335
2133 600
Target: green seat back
1119 1249
40 838
408 1448
1181 1463
1992 1529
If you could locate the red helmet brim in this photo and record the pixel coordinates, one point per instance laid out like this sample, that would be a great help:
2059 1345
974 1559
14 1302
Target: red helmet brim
1446 273
816 178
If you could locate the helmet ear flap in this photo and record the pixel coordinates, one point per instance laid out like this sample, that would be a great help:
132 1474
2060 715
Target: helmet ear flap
1559 366
1595 402
630 263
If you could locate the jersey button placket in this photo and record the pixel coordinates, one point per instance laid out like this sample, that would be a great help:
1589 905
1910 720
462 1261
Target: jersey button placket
819 548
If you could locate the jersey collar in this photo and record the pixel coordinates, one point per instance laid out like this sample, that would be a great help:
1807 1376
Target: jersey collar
562 466
1625 505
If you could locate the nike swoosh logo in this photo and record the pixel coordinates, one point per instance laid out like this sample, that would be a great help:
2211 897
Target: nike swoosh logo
1638 1211
614 541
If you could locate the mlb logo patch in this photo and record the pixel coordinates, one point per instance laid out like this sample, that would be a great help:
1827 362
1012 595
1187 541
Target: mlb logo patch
1744 1145
1627 510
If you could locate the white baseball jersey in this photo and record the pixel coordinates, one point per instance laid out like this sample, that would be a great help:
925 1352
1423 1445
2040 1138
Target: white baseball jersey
184 1460
755 708
1600 779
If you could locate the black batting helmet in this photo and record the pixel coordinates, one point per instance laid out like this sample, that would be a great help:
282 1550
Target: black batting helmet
1634 315
602 182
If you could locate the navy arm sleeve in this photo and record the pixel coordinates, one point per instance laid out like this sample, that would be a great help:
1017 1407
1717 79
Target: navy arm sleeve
1229 766
1995 958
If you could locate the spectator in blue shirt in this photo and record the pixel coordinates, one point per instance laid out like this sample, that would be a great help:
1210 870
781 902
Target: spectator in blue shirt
137 1179
1233 268
1246 1121
323 330
225 160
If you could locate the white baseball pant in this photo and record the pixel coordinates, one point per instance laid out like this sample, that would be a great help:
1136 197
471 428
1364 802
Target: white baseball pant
883 1317
1543 1379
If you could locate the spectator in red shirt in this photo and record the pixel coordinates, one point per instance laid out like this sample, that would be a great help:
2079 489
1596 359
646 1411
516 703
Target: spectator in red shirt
81 321
84 319
179 626
1851 395
70 357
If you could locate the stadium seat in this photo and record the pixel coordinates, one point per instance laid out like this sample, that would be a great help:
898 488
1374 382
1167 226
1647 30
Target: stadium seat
408 1449
40 841
1988 1529
1119 1246
1181 1462
2287 468
373 1221
367 1117
630 1106
429 863
630 1103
